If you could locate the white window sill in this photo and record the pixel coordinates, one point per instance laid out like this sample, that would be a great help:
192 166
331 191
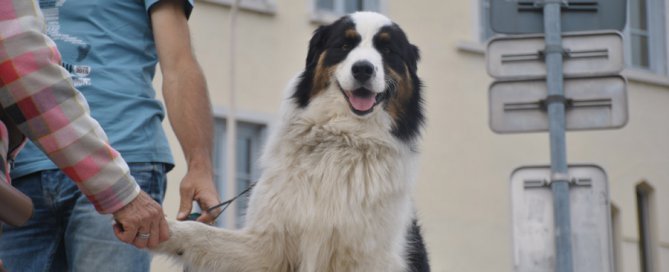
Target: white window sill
642 76
264 7
632 74
471 47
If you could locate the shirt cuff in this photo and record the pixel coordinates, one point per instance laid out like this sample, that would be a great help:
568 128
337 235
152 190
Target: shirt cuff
115 197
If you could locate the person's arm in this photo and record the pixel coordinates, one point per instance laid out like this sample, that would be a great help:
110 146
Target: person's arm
37 94
188 105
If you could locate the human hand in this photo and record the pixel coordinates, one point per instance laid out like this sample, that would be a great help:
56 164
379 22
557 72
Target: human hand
141 223
2 267
198 186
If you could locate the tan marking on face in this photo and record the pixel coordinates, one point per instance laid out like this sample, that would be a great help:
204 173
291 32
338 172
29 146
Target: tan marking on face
322 76
351 33
384 36
404 91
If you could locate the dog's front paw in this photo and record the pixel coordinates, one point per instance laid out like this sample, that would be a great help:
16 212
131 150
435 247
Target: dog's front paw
182 234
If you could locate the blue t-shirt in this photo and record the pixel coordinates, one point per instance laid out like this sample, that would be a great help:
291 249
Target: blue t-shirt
109 49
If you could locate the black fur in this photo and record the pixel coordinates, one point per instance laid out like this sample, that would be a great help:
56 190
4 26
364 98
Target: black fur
331 38
417 257
399 54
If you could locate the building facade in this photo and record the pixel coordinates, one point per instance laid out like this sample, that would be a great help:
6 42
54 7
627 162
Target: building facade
462 195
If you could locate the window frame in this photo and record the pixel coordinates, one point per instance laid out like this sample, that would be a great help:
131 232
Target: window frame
657 38
617 237
482 23
326 17
265 124
646 222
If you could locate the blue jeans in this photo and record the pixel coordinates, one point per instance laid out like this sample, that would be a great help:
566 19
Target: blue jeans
66 233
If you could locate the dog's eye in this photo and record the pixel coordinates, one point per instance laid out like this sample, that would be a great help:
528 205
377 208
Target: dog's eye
386 50
346 47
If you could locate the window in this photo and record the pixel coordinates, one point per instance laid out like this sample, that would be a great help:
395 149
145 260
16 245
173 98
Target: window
262 6
638 31
330 10
485 31
644 201
250 138
645 38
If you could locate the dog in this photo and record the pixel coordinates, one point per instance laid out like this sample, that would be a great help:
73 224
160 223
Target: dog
337 172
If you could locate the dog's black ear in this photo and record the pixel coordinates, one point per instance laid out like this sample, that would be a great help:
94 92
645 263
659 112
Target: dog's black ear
414 57
305 84
317 44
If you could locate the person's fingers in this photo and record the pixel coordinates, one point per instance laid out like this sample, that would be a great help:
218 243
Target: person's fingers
186 203
142 237
125 233
164 230
118 232
208 217
154 239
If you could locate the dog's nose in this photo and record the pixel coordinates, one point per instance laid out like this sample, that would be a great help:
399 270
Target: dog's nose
362 70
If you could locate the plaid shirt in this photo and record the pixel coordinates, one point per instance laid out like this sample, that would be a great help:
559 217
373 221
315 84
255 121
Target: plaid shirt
37 94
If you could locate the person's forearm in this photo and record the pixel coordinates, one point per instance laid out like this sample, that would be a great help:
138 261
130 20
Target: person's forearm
188 106
189 112
38 95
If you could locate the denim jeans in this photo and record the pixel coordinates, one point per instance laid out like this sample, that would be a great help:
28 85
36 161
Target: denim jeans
66 233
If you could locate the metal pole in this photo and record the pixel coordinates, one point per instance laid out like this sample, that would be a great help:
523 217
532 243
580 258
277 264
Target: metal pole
556 114
231 122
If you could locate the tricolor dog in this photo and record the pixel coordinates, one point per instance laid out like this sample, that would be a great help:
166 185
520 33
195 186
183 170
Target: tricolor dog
335 193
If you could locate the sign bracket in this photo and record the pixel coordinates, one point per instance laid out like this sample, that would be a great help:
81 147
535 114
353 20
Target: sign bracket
541 183
542 104
537 6
566 52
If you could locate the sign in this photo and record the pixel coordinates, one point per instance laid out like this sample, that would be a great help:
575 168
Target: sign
592 103
523 16
586 54
533 227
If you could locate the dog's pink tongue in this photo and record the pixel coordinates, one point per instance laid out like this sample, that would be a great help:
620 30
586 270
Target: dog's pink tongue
362 103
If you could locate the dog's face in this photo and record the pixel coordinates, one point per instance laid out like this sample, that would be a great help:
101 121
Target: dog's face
367 59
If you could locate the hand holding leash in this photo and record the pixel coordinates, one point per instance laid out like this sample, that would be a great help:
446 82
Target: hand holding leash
198 186
141 223
223 205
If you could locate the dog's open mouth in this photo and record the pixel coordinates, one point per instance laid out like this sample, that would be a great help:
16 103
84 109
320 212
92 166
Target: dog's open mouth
362 100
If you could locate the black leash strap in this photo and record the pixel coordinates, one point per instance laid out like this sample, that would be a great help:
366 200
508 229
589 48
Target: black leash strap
224 204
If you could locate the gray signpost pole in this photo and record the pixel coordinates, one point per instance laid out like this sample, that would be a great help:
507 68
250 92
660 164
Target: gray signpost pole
518 103
556 113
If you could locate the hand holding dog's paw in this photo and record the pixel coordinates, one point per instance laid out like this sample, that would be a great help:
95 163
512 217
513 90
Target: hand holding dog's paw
141 222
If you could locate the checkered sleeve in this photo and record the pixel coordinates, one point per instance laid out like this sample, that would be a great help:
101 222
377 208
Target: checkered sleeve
38 95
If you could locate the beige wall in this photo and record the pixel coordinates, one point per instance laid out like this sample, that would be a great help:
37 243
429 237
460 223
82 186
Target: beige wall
463 188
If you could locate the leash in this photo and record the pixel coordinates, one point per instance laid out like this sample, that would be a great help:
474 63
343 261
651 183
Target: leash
224 204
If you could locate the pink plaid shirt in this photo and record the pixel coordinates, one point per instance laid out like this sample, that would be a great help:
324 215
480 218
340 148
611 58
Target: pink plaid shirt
37 94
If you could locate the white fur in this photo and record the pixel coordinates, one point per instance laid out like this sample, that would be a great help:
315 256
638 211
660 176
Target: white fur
367 25
334 195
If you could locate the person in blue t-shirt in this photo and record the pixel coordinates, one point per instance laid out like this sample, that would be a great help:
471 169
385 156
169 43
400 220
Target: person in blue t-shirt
111 49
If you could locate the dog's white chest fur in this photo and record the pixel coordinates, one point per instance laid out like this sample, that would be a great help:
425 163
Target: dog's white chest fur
337 189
